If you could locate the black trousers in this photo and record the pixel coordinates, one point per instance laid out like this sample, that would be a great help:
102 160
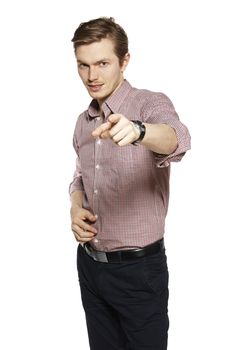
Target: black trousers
125 303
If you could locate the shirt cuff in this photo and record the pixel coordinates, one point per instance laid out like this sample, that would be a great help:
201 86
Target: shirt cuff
184 144
76 185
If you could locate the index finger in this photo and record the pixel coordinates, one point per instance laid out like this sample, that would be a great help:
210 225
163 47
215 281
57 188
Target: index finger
100 129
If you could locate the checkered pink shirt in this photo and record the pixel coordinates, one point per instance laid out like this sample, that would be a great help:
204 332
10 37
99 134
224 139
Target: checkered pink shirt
127 187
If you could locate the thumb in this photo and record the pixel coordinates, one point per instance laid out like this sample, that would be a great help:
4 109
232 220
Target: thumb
114 118
91 217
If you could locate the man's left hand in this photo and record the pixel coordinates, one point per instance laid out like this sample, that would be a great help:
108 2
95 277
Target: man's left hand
118 128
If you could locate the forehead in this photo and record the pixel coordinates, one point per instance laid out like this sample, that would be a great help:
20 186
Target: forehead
96 51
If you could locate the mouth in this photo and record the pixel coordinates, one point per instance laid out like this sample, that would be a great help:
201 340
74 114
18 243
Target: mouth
95 87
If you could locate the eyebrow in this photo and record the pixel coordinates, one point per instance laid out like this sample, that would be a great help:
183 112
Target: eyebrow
99 61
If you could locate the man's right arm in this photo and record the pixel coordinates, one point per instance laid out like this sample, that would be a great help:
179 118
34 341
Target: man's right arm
77 199
81 219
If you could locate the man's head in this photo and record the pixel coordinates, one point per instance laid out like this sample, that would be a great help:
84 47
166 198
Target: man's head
101 49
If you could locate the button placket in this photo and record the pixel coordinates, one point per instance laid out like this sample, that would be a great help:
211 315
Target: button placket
97 152
96 175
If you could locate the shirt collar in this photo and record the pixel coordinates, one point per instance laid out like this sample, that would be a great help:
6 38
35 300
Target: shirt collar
113 103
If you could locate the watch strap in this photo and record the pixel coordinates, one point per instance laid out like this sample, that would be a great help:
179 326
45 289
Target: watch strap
141 128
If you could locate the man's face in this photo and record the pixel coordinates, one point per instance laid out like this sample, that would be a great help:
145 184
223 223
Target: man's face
99 68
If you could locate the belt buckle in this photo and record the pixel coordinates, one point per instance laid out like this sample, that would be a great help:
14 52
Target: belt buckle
100 256
96 255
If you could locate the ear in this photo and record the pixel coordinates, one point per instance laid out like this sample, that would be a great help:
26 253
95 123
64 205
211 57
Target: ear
125 62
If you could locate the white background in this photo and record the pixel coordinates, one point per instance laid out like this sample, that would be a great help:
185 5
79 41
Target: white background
182 48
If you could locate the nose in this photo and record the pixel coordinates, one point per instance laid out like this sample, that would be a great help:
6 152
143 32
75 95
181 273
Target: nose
92 74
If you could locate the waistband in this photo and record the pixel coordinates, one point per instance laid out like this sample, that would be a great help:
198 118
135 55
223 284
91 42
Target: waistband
123 255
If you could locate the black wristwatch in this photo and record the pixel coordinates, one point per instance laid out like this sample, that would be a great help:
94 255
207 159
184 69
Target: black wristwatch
141 128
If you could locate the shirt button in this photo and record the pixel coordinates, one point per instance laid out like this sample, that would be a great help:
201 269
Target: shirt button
98 118
98 142
95 240
95 191
97 166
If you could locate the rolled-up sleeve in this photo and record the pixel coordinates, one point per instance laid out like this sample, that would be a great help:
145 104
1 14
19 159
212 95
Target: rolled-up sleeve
77 183
159 109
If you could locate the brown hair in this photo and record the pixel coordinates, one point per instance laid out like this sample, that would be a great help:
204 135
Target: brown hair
100 28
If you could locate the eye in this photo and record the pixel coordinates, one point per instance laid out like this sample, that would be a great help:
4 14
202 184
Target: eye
103 64
82 65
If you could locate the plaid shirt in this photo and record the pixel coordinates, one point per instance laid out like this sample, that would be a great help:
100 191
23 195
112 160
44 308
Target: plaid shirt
127 187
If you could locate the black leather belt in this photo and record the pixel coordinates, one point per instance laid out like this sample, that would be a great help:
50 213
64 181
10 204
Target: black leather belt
123 255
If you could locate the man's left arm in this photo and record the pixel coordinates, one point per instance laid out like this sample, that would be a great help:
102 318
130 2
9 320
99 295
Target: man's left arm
160 138
165 135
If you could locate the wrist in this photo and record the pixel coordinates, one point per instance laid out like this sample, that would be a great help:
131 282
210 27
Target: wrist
76 205
141 129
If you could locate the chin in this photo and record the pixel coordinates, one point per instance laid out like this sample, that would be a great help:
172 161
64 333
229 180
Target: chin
98 96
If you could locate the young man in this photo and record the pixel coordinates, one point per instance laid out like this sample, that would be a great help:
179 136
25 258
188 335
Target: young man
124 142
